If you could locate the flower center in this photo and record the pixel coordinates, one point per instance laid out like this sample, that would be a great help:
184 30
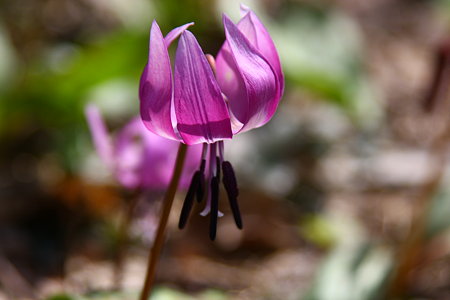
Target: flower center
208 186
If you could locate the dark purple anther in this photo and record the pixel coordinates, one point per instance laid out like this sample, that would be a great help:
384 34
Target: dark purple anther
201 185
189 200
214 208
230 184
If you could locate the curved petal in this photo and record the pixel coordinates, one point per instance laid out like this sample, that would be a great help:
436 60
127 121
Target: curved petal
247 79
99 134
155 89
201 112
174 33
232 84
259 37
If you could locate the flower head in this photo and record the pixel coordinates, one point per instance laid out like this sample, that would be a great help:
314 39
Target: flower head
195 107
207 101
137 157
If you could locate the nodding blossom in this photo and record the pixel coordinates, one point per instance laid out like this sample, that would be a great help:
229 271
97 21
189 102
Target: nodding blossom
206 100
137 158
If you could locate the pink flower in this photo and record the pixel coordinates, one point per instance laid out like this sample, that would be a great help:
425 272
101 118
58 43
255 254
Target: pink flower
191 105
137 157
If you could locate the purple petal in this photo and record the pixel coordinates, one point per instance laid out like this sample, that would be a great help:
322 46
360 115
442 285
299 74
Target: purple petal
99 134
259 37
244 9
174 33
232 84
247 79
201 112
129 153
155 90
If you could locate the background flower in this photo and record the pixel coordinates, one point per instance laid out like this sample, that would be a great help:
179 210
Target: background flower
137 157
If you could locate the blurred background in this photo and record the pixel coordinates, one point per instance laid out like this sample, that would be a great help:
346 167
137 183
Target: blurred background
344 194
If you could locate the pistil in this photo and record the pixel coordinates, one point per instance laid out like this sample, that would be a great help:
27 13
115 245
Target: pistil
230 184
214 208
214 173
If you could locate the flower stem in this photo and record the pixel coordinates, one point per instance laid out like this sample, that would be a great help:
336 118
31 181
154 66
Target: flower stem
159 239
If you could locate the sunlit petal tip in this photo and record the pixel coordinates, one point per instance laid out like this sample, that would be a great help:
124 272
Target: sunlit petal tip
155 88
244 9
202 114
100 136
174 33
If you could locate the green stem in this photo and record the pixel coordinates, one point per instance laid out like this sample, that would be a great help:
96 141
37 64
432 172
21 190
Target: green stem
155 251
